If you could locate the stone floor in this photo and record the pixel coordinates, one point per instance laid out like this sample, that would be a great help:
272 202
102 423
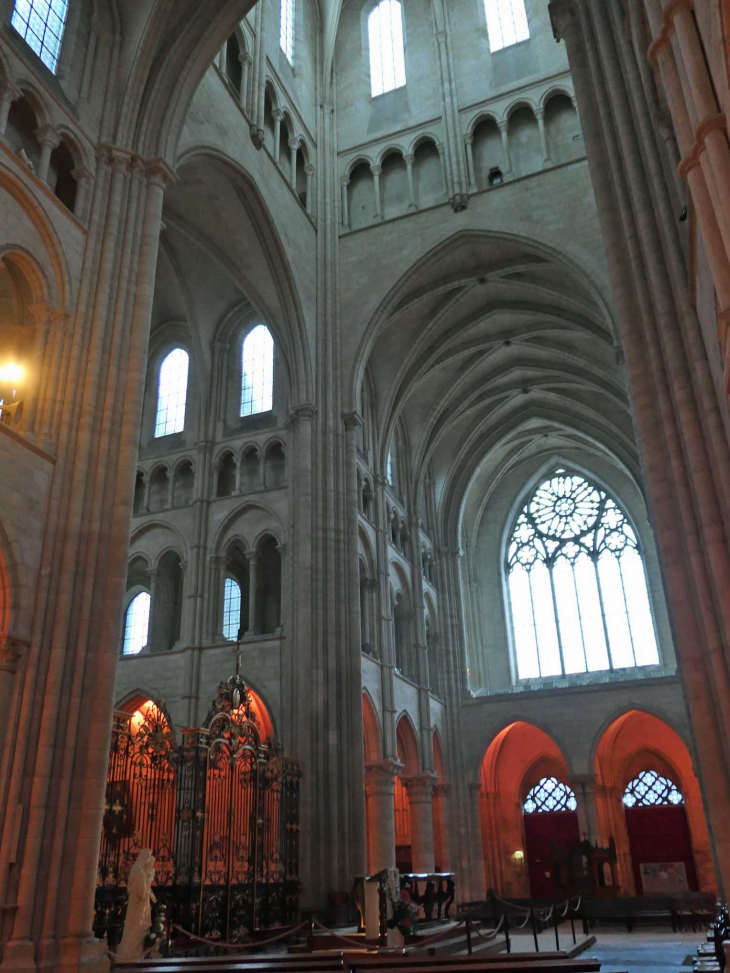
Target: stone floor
651 951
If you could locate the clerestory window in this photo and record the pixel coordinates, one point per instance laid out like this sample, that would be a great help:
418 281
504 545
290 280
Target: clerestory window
506 23
385 41
576 582
257 370
41 23
172 391
286 29
136 624
231 609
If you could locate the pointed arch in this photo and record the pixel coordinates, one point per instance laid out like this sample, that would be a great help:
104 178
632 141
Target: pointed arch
372 737
408 750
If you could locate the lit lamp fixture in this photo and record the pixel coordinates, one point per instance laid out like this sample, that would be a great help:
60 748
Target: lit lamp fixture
11 376
518 857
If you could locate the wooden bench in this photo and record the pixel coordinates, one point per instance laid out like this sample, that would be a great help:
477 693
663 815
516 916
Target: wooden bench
355 960
291 963
534 964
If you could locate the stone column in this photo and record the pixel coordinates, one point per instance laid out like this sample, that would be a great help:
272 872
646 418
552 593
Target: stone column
408 159
8 94
309 173
48 139
440 827
380 795
344 183
245 58
420 795
294 149
504 132
277 114
540 116
217 587
444 174
147 492
83 179
376 190
469 145
585 792
253 583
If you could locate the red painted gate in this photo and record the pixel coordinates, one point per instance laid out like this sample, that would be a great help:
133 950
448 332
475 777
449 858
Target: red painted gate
660 834
559 828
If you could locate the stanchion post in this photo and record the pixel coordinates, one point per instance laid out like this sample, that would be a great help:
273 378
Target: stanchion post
572 927
506 932
557 935
468 936
534 930
310 932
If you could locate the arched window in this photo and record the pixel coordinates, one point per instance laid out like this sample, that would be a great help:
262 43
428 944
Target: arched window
231 609
136 624
506 23
576 583
385 39
257 384
172 392
389 468
286 29
40 23
550 794
650 789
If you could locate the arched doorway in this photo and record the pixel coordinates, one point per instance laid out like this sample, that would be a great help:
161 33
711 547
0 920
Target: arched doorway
551 834
659 836
408 757
516 838
648 800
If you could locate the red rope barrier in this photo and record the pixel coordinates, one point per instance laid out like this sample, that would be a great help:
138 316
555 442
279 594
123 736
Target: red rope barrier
256 945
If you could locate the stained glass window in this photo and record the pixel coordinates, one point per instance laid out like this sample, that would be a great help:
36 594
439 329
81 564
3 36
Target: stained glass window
40 23
231 609
387 54
389 468
577 586
286 29
650 789
550 794
506 23
172 393
257 385
136 624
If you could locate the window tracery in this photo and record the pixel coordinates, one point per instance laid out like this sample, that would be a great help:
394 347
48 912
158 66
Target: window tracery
172 393
41 24
577 586
385 41
136 624
506 23
549 794
650 789
257 371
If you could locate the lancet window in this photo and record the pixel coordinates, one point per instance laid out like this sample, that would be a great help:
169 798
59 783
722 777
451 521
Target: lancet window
506 23
550 794
41 23
577 585
650 789
136 624
387 53
257 382
286 29
172 393
231 609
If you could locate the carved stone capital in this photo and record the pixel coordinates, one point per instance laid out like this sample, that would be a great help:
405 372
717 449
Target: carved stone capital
380 777
562 17
420 787
352 420
257 136
47 135
159 173
12 651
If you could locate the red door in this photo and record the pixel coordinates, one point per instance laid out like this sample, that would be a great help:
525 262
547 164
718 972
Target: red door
542 829
660 834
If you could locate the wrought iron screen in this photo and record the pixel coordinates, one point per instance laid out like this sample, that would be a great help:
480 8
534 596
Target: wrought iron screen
220 812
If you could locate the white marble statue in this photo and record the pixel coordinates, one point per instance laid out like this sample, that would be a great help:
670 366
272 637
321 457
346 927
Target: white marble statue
138 920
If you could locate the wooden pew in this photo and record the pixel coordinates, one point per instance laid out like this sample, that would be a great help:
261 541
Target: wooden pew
532 965
290 962
378 960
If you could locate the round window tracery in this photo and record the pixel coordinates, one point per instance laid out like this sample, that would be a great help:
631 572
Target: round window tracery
550 794
650 789
577 586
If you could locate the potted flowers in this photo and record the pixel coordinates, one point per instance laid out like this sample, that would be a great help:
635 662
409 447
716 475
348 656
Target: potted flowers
403 914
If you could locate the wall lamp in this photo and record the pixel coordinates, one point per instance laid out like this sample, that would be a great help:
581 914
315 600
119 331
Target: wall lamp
11 376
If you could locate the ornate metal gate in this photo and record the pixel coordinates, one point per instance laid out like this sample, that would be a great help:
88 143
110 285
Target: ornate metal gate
220 813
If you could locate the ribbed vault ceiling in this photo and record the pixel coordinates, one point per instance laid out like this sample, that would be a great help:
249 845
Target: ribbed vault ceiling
493 352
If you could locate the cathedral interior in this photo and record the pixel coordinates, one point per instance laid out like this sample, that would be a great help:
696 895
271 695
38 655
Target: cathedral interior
367 366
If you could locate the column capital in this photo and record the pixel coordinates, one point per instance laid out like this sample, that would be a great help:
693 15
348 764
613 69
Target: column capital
352 420
376 170
217 561
9 91
380 776
344 181
47 135
502 125
12 651
539 112
420 787
277 114
468 138
562 17
81 173
440 148
409 159
159 173
252 556
294 143
309 169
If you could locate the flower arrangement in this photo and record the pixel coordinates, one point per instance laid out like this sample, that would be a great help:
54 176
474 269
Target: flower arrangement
404 914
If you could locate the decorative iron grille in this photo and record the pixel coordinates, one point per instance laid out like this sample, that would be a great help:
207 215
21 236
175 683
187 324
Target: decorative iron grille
650 789
550 794
220 812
